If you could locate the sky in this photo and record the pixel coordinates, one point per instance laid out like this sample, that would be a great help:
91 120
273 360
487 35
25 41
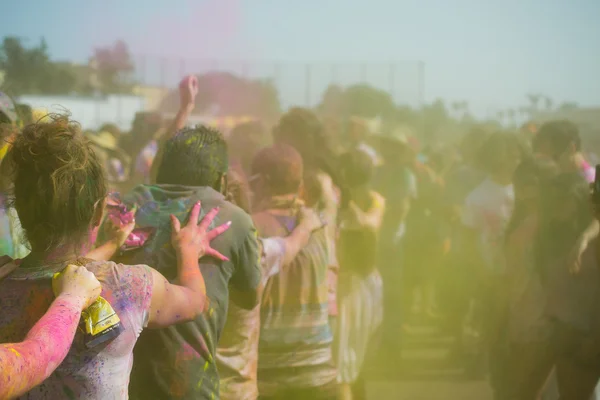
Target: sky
487 52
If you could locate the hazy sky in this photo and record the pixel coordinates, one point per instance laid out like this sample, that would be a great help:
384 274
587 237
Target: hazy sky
488 52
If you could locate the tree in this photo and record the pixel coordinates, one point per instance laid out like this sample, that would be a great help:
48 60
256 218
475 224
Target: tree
332 104
114 68
534 100
511 114
358 101
368 102
225 94
548 103
30 71
457 107
568 106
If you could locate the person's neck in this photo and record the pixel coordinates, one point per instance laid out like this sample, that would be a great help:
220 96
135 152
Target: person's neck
502 179
361 195
281 204
576 163
63 253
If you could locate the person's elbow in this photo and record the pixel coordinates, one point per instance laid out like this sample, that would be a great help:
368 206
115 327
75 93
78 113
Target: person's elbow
195 306
246 299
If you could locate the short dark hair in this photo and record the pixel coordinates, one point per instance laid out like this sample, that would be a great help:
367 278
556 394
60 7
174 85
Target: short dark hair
194 157
301 129
281 167
496 148
558 135
357 168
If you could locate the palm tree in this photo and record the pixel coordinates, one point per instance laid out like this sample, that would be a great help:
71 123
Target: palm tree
534 100
548 103
500 115
568 106
456 107
512 114
524 111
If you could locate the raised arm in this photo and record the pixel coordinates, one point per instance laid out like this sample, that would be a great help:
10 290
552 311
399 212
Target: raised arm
175 303
27 364
298 239
117 231
188 90
369 219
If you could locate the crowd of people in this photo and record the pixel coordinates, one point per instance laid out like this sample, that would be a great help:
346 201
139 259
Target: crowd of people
274 264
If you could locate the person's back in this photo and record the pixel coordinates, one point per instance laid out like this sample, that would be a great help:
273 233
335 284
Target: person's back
101 372
179 361
294 353
295 338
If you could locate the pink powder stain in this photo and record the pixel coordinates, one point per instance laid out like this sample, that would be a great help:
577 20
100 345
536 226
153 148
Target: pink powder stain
198 30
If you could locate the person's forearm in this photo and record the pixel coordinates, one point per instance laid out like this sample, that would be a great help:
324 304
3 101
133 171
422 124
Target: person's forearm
591 232
180 121
27 364
295 242
404 209
370 219
191 279
104 252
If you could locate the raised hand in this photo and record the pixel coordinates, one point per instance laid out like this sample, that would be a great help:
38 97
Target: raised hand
188 90
310 219
193 240
119 227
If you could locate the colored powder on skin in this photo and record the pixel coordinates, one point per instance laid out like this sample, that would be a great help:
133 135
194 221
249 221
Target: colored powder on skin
15 352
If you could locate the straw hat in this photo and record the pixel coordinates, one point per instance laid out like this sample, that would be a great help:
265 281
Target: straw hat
103 139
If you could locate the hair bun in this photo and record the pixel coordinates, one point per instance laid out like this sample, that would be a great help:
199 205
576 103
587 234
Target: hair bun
50 146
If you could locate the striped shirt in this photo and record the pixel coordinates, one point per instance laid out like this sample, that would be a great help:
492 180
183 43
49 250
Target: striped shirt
295 337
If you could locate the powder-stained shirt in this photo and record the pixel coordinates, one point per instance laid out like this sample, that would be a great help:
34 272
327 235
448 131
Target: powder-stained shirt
487 210
178 362
237 354
101 372
295 336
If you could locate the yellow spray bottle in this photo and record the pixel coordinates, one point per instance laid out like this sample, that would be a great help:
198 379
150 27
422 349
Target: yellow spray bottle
100 321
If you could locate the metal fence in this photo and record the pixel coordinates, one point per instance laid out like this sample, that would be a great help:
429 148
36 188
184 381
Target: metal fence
297 83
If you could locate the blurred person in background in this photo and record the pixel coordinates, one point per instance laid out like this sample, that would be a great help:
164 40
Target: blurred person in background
359 285
12 242
396 183
25 113
425 241
141 145
360 131
561 142
237 352
528 328
295 346
114 161
463 177
244 141
301 129
571 346
486 214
